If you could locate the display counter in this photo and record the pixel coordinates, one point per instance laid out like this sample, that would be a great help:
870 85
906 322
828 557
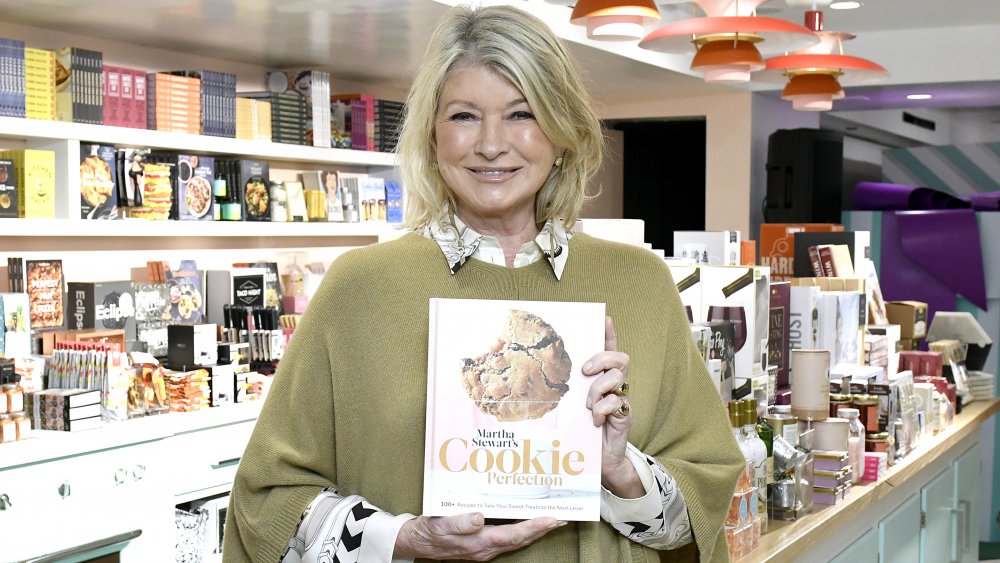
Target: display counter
863 526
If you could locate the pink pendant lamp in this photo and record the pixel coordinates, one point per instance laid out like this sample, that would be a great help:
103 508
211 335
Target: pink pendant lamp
614 20
728 39
815 74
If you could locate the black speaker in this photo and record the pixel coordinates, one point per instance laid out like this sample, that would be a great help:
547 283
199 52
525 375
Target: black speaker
804 176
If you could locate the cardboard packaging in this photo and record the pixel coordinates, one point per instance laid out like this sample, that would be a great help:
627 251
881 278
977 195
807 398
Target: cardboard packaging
892 345
102 305
191 345
14 311
152 315
688 280
911 316
778 327
741 295
8 190
244 287
715 248
777 248
962 326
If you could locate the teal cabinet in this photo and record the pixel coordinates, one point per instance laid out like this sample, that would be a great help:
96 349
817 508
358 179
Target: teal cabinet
863 550
898 540
937 501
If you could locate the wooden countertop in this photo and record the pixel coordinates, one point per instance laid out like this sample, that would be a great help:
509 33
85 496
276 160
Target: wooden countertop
784 541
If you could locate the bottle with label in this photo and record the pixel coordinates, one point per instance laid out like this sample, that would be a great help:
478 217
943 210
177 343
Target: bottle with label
738 518
855 441
759 451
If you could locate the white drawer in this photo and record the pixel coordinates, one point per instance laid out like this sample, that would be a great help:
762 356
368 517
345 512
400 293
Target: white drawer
206 460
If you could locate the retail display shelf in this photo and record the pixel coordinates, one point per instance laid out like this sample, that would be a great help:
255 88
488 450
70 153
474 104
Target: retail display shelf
37 130
790 541
48 445
145 228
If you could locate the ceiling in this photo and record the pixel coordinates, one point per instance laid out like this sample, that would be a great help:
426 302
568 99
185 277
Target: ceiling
379 41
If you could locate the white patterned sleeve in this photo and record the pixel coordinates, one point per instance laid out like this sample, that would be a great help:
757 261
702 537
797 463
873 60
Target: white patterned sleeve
344 529
659 519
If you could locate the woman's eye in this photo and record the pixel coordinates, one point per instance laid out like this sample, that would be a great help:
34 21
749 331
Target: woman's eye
462 116
519 115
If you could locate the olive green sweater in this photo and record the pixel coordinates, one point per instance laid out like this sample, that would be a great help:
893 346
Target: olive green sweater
347 405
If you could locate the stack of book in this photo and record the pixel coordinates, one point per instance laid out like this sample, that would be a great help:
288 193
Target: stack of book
67 410
173 103
876 350
831 260
188 390
253 119
79 85
12 87
218 101
40 84
981 384
124 97
353 119
288 116
388 120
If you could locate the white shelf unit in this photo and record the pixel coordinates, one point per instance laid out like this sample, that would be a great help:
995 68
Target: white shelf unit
65 138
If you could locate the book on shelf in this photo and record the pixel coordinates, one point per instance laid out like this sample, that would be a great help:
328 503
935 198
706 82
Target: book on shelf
98 182
40 84
79 81
218 101
34 168
12 77
314 87
44 282
8 189
356 113
508 433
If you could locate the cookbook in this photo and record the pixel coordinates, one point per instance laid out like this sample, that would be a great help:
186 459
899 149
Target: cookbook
508 433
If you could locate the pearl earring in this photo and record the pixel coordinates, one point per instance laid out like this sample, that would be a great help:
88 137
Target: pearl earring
558 162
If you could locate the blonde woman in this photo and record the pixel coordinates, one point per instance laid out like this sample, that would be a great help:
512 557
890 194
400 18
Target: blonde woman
498 144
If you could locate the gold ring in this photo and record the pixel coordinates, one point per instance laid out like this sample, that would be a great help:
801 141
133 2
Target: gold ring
623 410
622 389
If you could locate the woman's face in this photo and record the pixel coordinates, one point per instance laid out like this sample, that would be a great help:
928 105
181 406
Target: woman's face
490 150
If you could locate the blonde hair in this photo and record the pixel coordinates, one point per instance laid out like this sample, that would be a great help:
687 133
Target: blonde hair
522 49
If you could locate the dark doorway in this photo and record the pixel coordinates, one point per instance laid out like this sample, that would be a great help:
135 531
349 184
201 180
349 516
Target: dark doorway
664 176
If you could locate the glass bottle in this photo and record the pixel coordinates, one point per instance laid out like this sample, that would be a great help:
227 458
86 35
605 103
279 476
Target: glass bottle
759 451
855 441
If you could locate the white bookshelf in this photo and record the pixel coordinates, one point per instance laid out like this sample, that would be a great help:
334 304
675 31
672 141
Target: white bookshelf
127 228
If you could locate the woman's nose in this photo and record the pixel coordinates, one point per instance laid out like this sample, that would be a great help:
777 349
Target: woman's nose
492 141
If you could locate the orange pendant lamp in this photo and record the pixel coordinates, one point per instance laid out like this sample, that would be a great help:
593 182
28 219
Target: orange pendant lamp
728 39
815 74
614 20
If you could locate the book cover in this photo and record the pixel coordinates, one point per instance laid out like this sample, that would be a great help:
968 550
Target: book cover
858 244
152 314
253 189
826 264
44 284
8 189
508 433
103 305
98 182
195 200
187 303
778 327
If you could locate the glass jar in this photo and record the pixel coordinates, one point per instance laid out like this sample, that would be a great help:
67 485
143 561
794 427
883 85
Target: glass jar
867 406
8 429
838 400
15 397
22 425
855 442
877 442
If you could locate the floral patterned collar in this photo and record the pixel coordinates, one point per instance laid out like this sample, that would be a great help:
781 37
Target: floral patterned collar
460 242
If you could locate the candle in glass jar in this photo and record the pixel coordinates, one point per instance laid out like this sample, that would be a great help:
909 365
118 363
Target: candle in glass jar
811 384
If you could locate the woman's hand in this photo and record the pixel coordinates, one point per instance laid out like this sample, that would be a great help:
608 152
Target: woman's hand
609 405
466 536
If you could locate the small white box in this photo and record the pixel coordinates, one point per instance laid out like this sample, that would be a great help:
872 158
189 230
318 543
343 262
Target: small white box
712 248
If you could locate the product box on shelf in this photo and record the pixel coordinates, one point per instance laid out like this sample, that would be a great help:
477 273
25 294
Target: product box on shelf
777 247
36 181
371 194
195 200
272 285
962 326
688 281
103 305
191 345
721 341
778 327
891 333
393 202
911 316
741 295
152 315
8 189
351 197
244 287
464 414
334 201
98 182
17 322
715 248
